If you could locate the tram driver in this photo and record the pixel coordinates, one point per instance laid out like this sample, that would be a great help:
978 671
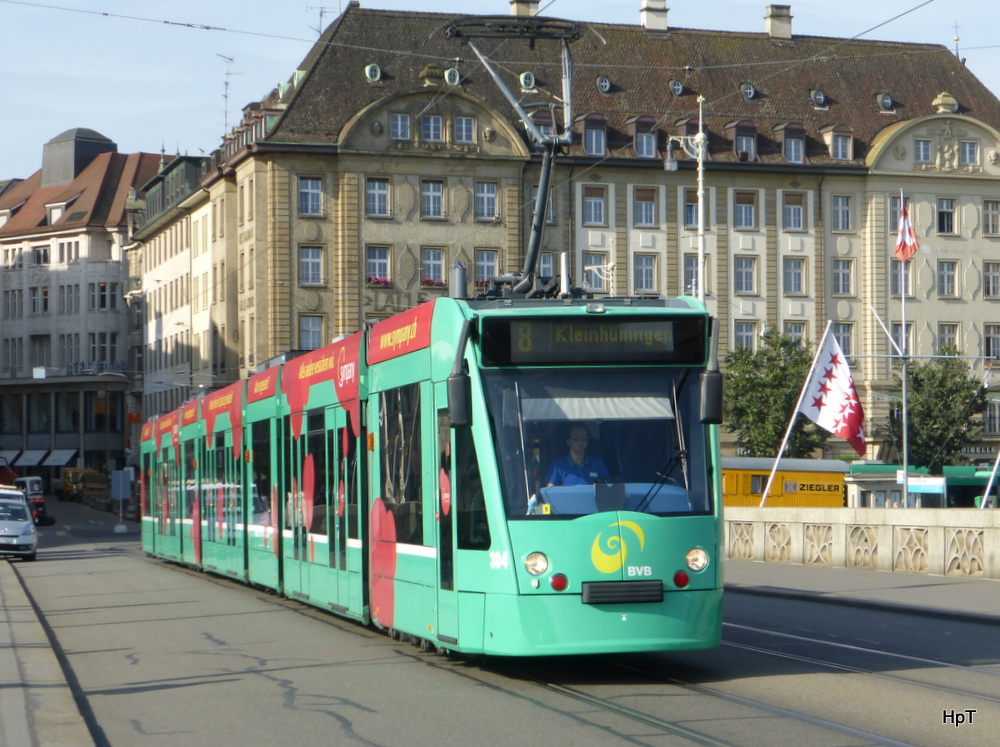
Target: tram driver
576 467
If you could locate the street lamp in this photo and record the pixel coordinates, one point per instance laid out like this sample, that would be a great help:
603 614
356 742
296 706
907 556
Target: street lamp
696 146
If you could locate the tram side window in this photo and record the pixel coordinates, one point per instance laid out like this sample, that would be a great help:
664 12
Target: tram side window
467 495
261 473
401 470
316 444
351 440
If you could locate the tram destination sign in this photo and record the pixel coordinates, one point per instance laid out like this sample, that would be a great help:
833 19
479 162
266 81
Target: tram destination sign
532 341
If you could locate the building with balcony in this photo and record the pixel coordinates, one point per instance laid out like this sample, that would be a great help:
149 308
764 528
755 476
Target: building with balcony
65 382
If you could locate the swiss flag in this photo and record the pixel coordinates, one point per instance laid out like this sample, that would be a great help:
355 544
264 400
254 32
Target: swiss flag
830 399
906 244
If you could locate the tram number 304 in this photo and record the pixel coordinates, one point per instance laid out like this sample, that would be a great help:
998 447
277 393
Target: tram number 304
499 560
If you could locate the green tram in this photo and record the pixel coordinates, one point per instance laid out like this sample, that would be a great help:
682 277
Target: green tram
486 477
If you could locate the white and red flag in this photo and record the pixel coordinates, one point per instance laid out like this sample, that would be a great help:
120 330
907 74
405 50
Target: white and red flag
830 399
906 244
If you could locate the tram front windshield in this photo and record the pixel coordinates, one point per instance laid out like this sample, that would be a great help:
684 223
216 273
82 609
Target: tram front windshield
573 443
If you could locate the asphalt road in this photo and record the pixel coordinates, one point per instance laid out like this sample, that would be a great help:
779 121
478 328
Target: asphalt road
162 655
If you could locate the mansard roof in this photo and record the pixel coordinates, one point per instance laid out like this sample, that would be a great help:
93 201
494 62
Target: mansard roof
97 196
331 85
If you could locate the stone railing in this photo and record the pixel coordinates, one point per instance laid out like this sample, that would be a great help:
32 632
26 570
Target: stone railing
947 542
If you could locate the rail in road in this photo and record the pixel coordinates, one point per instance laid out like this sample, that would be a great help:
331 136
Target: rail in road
163 655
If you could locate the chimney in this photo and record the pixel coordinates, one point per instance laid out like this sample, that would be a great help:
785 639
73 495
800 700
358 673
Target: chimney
653 15
525 7
778 21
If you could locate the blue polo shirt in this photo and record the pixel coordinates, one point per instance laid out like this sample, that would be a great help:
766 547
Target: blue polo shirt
564 472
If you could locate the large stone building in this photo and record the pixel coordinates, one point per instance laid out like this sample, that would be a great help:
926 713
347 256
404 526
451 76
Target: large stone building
65 383
391 154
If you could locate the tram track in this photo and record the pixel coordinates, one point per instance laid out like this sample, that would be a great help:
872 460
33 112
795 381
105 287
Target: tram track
853 648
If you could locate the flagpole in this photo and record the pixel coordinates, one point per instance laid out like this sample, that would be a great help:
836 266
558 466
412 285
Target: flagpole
795 414
904 355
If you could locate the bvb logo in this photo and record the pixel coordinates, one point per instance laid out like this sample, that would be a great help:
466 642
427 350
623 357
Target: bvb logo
612 562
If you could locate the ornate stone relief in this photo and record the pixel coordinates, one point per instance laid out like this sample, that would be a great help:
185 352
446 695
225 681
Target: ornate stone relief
779 544
741 540
965 554
910 549
862 547
945 142
817 546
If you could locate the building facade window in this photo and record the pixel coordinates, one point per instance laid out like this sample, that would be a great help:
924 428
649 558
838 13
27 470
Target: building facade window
794 276
40 255
103 296
843 277
377 197
945 215
922 150
593 140
991 279
432 199
745 211
465 130
991 340
377 269
432 128
745 275
795 150
550 211
644 207
690 275
38 299
432 266
486 266
746 146
310 196
894 213
968 153
645 144
594 270
991 421
546 265
310 332
947 278
745 335
841 148
796 331
843 332
947 336
399 126
896 331
841 213
991 217
594 206
310 265
794 211
486 201
691 208
897 278
644 273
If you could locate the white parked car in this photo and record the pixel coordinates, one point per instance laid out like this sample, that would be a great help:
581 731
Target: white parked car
18 536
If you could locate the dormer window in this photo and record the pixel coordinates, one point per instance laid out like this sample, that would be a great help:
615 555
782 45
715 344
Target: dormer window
840 141
793 141
644 136
595 128
744 140
543 121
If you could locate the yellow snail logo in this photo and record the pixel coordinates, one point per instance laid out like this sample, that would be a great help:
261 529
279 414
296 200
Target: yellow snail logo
612 562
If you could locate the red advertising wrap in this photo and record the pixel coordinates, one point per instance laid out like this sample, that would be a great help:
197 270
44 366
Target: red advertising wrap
402 334
336 363
228 400
262 385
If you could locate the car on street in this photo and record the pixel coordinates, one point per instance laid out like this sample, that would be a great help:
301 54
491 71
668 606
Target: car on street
18 536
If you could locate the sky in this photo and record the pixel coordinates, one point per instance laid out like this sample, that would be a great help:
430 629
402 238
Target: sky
175 74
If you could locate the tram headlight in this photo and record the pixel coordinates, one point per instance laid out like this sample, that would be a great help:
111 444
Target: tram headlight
697 559
536 563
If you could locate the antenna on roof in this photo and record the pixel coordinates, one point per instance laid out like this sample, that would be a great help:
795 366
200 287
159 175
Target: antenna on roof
225 92
323 11
957 27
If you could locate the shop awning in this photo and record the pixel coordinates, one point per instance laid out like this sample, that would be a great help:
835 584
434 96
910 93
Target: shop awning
59 458
30 458
7 457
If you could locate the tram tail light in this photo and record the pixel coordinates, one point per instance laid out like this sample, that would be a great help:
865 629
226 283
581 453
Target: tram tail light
559 582
681 579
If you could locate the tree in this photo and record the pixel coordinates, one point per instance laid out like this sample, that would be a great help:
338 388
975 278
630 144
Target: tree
762 387
942 404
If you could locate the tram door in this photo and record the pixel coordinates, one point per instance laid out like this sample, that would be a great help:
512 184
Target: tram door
295 520
345 548
263 537
447 622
